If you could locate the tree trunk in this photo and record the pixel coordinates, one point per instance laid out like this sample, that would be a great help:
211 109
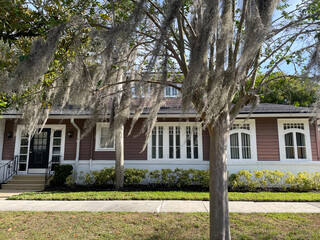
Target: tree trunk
119 170
219 209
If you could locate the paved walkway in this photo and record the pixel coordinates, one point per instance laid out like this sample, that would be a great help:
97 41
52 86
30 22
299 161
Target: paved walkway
4 194
156 206
150 206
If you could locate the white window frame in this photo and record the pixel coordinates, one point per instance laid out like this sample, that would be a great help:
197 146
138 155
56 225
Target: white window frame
52 127
183 151
171 89
253 140
98 137
282 145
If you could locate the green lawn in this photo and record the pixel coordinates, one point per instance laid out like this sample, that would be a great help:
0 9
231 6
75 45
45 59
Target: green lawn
84 225
178 195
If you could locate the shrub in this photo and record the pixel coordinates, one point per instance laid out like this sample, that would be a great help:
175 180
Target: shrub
61 172
180 177
71 179
201 177
101 177
164 176
265 179
134 176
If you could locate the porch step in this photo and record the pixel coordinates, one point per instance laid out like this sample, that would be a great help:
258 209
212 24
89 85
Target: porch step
35 187
25 182
28 177
16 181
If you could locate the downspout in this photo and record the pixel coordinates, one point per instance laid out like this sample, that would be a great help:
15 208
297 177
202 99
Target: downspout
91 151
316 127
76 164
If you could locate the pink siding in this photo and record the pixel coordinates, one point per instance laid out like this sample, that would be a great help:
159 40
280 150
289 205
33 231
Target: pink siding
206 145
134 143
267 139
266 130
9 143
314 141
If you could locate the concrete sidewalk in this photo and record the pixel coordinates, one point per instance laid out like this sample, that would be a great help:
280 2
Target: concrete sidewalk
157 206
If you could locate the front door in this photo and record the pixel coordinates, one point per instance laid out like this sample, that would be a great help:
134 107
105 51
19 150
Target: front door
39 149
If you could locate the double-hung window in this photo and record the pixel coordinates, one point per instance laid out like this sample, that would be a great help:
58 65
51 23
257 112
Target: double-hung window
242 140
294 139
175 141
170 91
104 141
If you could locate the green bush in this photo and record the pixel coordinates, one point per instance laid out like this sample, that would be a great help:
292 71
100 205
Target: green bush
201 177
180 177
101 177
241 181
134 176
265 179
164 176
61 172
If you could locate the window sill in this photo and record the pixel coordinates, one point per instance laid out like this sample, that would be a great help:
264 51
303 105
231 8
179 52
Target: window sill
105 150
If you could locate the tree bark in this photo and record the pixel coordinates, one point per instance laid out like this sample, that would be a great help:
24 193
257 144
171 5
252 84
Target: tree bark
219 209
119 168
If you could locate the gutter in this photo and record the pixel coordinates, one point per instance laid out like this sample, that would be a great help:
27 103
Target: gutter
78 146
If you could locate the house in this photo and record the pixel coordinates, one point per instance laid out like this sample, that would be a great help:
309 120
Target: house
272 137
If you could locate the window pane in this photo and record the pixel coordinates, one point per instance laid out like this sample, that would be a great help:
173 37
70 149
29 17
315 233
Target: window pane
178 150
57 133
153 142
188 136
174 91
171 142
301 146
24 142
289 145
22 167
56 150
23 150
300 140
160 139
23 158
167 90
195 142
57 141
289 139
105 142
234 146
246 151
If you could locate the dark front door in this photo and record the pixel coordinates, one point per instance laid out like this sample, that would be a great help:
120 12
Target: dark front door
39 149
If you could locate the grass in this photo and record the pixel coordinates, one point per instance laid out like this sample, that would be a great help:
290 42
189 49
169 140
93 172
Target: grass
174 195
84 225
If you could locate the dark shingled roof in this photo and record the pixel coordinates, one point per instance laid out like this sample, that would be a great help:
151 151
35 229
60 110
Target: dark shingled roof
275 108
174 108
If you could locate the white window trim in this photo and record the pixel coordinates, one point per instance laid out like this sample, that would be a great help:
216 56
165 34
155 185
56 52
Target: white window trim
183 154
98 138
282 132
170 95
52 127
253 141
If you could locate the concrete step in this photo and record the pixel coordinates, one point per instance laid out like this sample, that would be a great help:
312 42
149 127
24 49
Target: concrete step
28 177
22 186
25 181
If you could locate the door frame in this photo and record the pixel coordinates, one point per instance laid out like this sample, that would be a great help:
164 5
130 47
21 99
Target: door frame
53 127
33 153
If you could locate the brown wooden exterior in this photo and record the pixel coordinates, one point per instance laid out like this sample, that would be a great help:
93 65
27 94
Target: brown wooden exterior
266 135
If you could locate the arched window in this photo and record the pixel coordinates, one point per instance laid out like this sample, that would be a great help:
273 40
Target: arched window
293 139
242 143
